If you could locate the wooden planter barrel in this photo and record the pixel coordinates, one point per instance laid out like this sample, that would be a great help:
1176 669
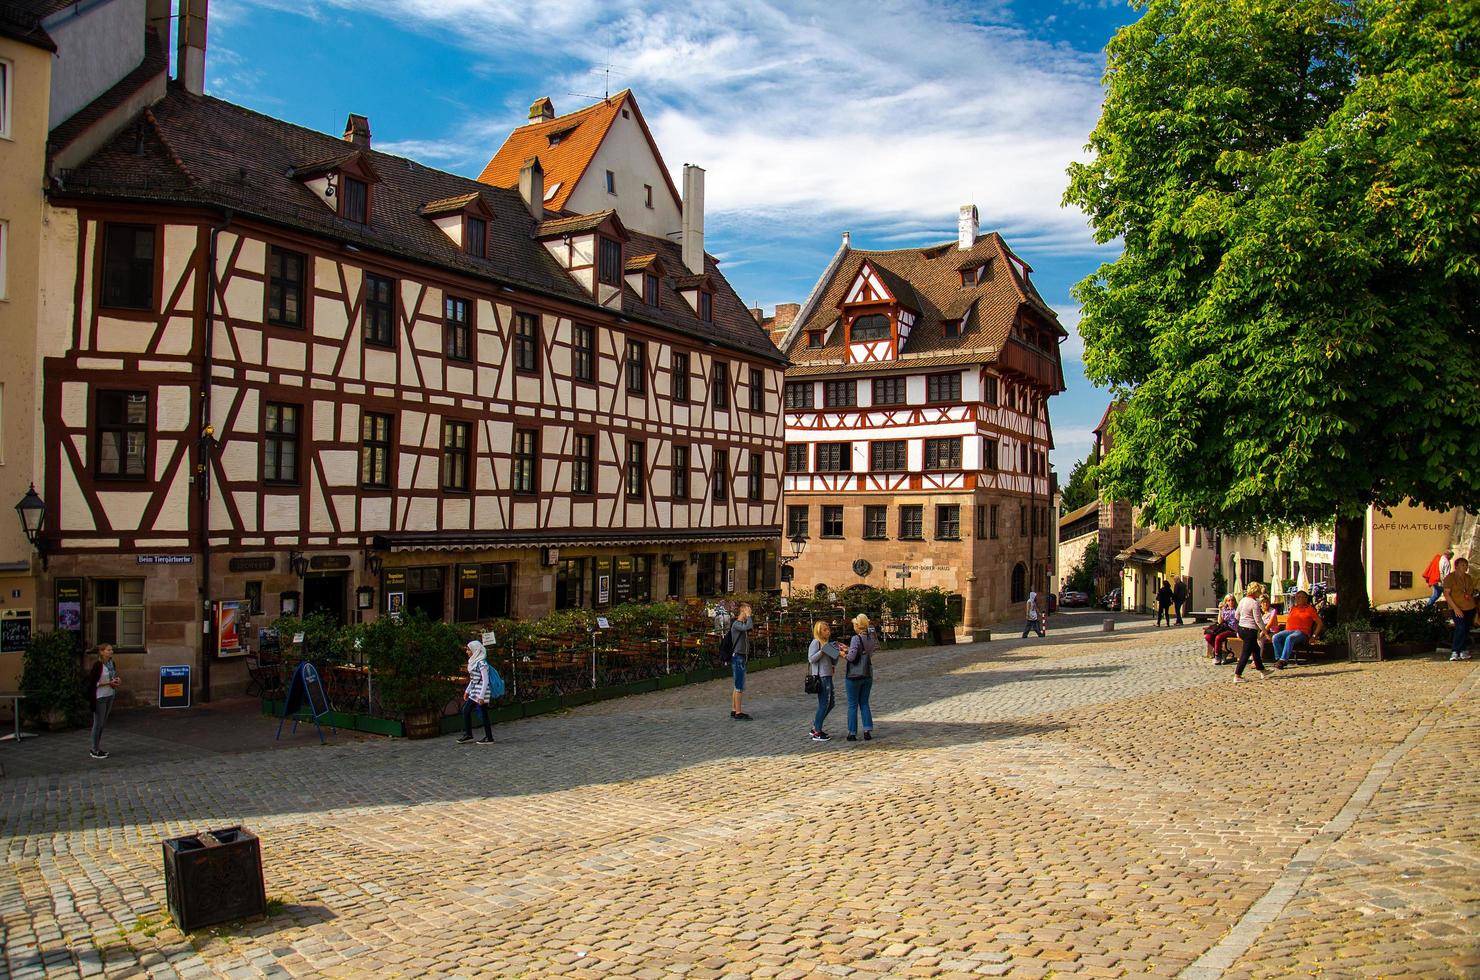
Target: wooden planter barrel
423 724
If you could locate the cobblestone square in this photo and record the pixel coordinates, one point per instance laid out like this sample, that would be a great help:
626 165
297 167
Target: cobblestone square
1089 804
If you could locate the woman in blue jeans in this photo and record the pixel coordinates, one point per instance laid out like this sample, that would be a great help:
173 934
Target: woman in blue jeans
822 660
858 679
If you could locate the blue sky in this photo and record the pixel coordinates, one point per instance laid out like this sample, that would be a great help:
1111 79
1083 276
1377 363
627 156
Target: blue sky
810 118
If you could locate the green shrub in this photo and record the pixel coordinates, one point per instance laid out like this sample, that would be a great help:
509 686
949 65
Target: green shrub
417 662
52 678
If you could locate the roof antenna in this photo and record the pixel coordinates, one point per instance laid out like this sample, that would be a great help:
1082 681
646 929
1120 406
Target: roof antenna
606 71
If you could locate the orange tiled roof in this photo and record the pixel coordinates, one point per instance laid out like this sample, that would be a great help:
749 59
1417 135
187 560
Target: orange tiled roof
579 135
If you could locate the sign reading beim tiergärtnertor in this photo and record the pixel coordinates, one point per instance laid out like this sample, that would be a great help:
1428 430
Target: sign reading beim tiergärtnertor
174 686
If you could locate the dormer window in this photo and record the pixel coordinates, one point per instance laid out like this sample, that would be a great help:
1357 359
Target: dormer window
814 339
610 271
972 276
650 289
355 200
951 328
475 236
706 306
872 327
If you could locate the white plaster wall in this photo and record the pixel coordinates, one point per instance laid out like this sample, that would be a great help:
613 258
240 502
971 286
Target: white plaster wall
97 44
625 152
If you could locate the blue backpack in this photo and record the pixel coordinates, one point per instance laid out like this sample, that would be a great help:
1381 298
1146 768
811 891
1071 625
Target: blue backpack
495 684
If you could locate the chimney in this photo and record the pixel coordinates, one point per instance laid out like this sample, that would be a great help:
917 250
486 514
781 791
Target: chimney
786 314
190 47
968 225
541 110
847 239
692 236
532 187
157 19
357 131
758 314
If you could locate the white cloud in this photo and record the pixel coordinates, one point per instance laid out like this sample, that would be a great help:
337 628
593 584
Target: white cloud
878 111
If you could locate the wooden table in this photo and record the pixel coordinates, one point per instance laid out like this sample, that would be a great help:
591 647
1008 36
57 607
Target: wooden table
15 704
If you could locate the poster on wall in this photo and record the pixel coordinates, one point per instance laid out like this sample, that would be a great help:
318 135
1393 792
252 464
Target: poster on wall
231 628
394 603
69 606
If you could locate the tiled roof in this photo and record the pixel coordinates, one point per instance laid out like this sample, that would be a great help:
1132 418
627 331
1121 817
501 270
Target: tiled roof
931 282
578 136
198 150
835 365
21 20
1152 548
447 205
574 224
1076 514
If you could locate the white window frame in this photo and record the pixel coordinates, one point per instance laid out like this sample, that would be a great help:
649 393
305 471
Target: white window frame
7 83
4 258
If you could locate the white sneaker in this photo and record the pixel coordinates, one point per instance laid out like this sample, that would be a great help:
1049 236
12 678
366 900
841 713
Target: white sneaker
1465 655
1453 657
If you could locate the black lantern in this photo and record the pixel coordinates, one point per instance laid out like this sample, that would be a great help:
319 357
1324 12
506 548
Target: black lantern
798 545
298 562
373 564
32 511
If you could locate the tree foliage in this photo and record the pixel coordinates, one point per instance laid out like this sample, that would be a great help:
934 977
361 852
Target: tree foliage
1296 184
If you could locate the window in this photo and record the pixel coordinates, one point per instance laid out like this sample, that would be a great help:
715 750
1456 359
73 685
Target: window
981 522
1022 520
647 195
1019 582
4 234
719 387
1400 580
636 367
839 394
950 328
375 450
650 289
475 236
678 373
285 287
832 521
425 590
796 457
455 455
796 521
759 570
992 513
636 469
943 454
835 457
611 182
526 459
756 479
814 338
457 333
943 387
356 200
799 394
118 612
948 522
610 266
710 573
876 522
989 461
128 266
887 457
912 522
721 476
584 465
990 396
526 343
680 474
7 70
280 427
1022 458
706 306
122 434
583 352
380 310
757 390
889 391
874 327
570 583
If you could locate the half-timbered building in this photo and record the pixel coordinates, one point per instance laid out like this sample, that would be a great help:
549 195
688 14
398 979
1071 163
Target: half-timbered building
917 426
291 370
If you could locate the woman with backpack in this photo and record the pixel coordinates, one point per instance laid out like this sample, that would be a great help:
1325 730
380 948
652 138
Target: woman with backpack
475 695
102 685
822 661
858 678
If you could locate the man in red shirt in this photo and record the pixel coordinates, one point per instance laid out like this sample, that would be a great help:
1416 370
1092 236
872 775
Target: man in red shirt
1302 624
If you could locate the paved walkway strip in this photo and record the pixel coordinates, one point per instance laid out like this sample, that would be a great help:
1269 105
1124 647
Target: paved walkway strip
1271 905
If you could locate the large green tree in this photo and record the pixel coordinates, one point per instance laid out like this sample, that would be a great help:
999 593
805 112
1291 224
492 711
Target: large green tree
1292 320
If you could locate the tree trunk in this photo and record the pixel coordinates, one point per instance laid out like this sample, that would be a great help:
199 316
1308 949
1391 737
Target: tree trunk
1352 600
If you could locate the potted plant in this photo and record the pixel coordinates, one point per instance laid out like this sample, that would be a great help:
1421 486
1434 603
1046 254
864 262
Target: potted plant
417 665
940 614
51 677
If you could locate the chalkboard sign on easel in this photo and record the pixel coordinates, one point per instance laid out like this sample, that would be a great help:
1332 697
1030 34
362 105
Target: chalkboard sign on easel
306 696
174 686
15 633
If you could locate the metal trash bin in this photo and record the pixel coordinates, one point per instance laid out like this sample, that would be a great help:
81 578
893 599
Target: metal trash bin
214 877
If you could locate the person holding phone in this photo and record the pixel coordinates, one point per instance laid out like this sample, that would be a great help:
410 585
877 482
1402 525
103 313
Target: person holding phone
102 685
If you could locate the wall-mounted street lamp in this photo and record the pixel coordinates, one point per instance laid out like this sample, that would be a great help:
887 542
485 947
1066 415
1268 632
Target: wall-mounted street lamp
373 563
32 511
298 562
798 545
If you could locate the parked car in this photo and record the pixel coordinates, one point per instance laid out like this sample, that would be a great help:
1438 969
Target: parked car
1070 597
1111 600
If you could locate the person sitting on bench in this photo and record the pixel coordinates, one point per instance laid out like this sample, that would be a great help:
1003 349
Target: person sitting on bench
1222 628
1302 625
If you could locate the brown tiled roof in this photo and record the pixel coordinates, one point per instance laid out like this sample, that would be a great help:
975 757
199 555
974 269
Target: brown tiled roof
1152 548
1079 512
933 278
201 151
580 135
693 281
21 20
835 365
637 263
448 205
574 224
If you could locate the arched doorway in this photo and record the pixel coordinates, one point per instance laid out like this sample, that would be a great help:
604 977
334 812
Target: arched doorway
1019 582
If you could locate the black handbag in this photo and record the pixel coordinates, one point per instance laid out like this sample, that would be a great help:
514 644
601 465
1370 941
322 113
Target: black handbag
812 684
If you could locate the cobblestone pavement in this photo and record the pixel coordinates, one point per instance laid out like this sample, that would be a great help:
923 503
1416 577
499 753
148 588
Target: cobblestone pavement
1085 805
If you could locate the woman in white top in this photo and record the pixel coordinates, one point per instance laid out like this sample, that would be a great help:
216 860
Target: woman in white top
822 661
102 685
1249 621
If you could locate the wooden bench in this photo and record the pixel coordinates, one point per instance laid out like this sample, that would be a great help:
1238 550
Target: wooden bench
1204 616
